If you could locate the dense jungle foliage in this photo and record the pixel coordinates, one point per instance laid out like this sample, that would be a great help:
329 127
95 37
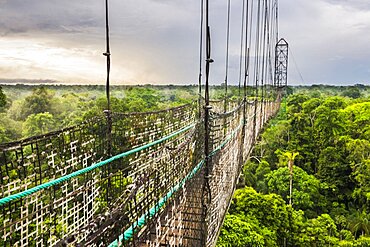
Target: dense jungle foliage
320 141
33 110
27 110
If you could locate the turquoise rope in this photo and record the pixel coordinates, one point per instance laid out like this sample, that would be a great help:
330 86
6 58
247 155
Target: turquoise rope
35 189
129 233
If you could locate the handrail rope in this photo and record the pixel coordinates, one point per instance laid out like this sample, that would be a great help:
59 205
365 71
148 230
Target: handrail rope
218 114
228 138
220 100
122 114
46 185
237 108
128 234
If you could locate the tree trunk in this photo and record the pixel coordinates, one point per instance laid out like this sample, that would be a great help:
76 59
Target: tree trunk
291 181
290 189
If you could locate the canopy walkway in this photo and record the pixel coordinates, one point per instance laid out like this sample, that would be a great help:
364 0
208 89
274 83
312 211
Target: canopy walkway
145 188
161 178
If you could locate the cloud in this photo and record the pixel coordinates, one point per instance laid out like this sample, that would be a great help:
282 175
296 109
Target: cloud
321 31
157 41
47 15
351 4
41 60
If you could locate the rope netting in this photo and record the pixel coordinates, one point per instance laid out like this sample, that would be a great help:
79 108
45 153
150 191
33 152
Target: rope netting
154 152
64 189
232 137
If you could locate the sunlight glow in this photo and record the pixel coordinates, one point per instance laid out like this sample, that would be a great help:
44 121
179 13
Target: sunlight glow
35 59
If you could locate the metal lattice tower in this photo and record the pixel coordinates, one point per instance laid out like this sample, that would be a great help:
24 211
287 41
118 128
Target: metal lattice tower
281 63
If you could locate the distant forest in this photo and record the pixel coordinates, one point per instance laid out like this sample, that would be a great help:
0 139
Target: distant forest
28 110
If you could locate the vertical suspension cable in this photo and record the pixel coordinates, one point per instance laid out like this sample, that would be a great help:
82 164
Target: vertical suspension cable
257 50
275 40
246 64
247 49
277 21
226 64
241 49
108 111
272 48
276 30
248 45
264 16
269 65
208 52
200 58
266 57
270 36
206 185
107 53
296 65
257 67
241 153
227 50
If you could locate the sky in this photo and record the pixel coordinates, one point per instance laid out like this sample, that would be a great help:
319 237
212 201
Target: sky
157 41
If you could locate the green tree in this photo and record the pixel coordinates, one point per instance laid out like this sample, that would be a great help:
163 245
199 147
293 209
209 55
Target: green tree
238 231
362 242
10 130
321 231
357 120
295 103
141 99
275 137
305 190
330 121
359 223
352 92
38 102
335 171
38 124
2 98
269 210
262 170
291 157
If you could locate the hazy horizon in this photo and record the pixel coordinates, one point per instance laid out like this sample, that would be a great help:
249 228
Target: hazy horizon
30 82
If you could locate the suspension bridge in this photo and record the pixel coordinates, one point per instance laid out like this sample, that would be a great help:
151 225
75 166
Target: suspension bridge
162 178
